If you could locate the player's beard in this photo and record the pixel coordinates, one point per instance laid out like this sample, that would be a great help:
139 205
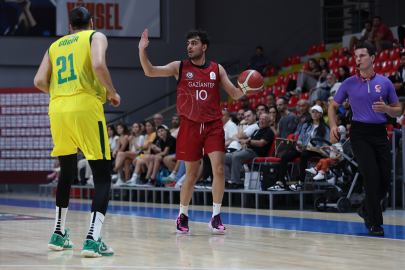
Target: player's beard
197 55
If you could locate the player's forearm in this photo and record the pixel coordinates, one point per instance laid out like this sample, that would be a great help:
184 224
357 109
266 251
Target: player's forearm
236 94
146 64
331 115
394 111
103 75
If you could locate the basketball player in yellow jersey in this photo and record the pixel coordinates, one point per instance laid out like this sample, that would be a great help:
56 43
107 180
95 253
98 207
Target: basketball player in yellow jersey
73 71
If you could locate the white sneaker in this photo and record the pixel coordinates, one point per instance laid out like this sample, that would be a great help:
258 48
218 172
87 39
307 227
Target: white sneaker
115 176
296 187
296 91
311 170
277 187
332 181
118 183
90 181
319 176
129 183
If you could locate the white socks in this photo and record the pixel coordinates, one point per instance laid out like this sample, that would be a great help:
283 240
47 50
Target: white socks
60 220
173 174
183 209
134 177
96 223
216 209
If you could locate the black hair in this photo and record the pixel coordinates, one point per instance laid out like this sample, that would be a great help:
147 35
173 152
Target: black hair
369 21
347 73
326 63
271 94
177 115
112 127
161 127
278 116
316 63
201 34
226 110
150 122
368 47
285 101
80 18
342 119
321 128
234 119
266 109
251 110
259 47
402 54
377 17
125 127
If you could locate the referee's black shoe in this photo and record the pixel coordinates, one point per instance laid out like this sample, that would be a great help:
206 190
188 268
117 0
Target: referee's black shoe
364 216
376 231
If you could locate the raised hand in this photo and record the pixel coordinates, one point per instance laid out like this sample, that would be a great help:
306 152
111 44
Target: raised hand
144 42
380 106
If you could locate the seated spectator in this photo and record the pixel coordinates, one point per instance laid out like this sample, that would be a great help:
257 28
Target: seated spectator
321 88
400 78
246 129
325 108
381 37
344 73
258 62
173 166
323 64
270 99
257 145
340 120
348 113
143 127
240 115
401 36
177 181
176 125
303 110
234 119
260 109
124 159
244 101
112 139
307 78
365 34
163 145
158 119
287 119
122 142
274 118
314 128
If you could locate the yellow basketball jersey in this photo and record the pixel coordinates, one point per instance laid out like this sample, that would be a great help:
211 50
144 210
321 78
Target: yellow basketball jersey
72 70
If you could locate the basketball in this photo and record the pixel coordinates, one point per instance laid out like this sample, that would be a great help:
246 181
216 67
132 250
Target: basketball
250 81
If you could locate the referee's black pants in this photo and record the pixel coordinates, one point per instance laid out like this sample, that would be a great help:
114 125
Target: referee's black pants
372 150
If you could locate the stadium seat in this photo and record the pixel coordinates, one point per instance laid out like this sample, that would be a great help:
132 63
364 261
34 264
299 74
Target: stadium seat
279 80
334 54
283 89
333 63
287 61
277 91
377 66
344 49
251 102
391 73
296 60
343 61
394 54
321 48
305 67
238 106
224 105
335 72
295 75
396 64
386 66
352 70
351 61
232 106
305 96
287 78
384 55
377 55
389 128
258 101
293 101
270 72
312 50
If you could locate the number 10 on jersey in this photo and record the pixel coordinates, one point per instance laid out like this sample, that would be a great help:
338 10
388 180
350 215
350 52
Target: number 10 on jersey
201 94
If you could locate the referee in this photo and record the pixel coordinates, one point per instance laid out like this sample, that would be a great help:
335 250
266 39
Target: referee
369 93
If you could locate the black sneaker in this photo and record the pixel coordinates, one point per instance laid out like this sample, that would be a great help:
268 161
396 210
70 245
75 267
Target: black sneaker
182 224
208 185
235 186
201 184
364 216
376 231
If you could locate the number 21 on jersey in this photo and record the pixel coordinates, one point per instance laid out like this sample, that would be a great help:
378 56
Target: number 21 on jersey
62 61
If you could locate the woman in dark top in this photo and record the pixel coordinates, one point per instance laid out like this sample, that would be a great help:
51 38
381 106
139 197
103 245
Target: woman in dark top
323 64
344 73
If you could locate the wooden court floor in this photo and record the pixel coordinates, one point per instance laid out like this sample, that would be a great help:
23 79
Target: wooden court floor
143 237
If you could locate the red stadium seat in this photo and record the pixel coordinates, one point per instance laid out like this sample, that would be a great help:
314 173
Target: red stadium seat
396 64
290 137
224 105
287 61
296 60
334 53
377 55
377 66
277 91
394 54
332 63
287 78
321 48
389 128
295 75
343 61
283 89
293 101
305 96
352 61
344 49
279 80
305 67
238 106
352 70
312 50
232 106
384 55
391 73
335 72
270 72
386 66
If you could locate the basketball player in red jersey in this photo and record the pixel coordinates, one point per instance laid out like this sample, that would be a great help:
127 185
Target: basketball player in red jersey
198 104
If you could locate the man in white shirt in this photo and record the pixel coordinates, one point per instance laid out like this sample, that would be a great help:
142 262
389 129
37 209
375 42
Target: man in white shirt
246 129
230 127
365 34
176 125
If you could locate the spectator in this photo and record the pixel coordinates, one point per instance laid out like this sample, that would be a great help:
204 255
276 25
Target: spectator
325 107
340 120
323 64
258 62
274 118
122 142
234 119
158 119
257 145
287 119
401 36
330 100
348 113
241 115
317 92
303 110
163 145
307 78
260 109
344 73
400 86
246 128
176 125
244 101
381 37
173 166
124 159
270 99
143 127
314 128
112 137
365 34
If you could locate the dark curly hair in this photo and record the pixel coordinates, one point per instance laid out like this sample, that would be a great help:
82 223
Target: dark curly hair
205 39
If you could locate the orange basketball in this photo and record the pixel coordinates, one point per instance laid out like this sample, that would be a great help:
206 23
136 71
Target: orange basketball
250 81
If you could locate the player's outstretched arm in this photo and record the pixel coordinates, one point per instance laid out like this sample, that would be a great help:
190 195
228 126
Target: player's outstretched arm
41 80
98 48
234 92
171 69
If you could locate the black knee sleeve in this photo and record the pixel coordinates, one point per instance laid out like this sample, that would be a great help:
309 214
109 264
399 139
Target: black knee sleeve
102 185
68 170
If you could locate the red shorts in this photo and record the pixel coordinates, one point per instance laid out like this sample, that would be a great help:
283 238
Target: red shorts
193 137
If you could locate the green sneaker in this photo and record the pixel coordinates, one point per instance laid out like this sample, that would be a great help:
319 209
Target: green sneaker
93 249
60 243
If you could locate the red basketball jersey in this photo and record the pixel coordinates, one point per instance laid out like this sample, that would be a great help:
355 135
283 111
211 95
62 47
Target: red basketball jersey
198 97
